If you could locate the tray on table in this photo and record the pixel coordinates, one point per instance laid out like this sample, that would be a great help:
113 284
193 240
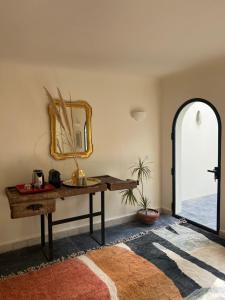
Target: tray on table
22 190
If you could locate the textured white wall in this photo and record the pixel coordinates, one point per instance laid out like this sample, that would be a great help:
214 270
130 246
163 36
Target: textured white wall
118 140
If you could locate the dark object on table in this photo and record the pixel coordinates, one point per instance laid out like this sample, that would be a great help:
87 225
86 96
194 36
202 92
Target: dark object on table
38 180
54 178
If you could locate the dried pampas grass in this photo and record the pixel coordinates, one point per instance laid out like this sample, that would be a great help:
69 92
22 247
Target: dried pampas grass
65 120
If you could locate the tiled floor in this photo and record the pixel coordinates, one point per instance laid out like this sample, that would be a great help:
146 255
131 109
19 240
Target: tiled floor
201 210
19 260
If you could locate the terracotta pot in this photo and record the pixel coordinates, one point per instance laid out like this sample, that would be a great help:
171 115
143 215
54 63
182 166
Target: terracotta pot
147 218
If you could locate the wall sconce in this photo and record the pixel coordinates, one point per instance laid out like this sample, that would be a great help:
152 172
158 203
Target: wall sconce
198 117
138 115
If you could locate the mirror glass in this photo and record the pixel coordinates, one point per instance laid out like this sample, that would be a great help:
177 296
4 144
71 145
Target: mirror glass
79 113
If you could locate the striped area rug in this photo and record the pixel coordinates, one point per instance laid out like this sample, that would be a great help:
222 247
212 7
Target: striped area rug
174 262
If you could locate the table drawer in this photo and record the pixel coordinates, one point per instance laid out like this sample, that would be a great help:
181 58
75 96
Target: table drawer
28 209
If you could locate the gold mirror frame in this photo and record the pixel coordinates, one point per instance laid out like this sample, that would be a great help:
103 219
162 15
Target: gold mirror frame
53 146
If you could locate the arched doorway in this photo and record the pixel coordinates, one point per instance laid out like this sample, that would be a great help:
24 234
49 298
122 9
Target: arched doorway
196 139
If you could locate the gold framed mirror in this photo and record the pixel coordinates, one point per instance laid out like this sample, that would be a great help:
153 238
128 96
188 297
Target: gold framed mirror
80 113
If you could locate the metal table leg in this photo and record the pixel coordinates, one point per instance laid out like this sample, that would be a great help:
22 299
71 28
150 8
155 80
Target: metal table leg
102 218
42 230
91 212
50 241
102 214
49 251
91 215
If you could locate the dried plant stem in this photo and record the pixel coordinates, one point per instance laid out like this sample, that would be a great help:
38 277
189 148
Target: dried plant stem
63 106
61 131
65 125
59 146
56 111
72 125
70 143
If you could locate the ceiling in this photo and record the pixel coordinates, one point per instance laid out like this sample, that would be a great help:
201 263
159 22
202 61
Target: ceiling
144 37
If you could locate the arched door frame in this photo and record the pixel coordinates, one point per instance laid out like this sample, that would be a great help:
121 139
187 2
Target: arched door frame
173 171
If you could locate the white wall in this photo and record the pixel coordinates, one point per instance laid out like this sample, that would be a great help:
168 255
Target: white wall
205 82
118 140
196 152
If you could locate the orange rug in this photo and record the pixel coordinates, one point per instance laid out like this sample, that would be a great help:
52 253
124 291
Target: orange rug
110 273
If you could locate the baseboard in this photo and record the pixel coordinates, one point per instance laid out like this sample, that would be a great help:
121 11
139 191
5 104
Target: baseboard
34 240
222 234
165 211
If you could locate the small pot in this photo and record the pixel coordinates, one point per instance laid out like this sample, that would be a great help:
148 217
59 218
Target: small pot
148 218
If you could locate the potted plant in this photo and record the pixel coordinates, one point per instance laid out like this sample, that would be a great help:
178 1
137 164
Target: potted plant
145 214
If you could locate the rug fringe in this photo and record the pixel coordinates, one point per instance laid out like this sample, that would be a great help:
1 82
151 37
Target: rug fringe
83 252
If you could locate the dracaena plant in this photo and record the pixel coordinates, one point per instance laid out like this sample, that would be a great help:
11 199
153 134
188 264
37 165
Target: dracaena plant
142 172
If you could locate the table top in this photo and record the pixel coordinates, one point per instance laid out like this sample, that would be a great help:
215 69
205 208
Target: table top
107 182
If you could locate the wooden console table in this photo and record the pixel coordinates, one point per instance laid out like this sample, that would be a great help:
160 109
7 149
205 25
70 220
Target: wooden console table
45 204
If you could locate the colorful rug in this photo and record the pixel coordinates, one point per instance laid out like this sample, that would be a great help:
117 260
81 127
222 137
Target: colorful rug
174 262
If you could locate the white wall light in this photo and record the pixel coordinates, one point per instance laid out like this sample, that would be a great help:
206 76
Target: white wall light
138 115
198 117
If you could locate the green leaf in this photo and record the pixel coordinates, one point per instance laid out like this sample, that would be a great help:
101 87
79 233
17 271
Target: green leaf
128 197
144 203
141 169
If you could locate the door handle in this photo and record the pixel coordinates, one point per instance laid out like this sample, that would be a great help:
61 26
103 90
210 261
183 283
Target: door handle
216 172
